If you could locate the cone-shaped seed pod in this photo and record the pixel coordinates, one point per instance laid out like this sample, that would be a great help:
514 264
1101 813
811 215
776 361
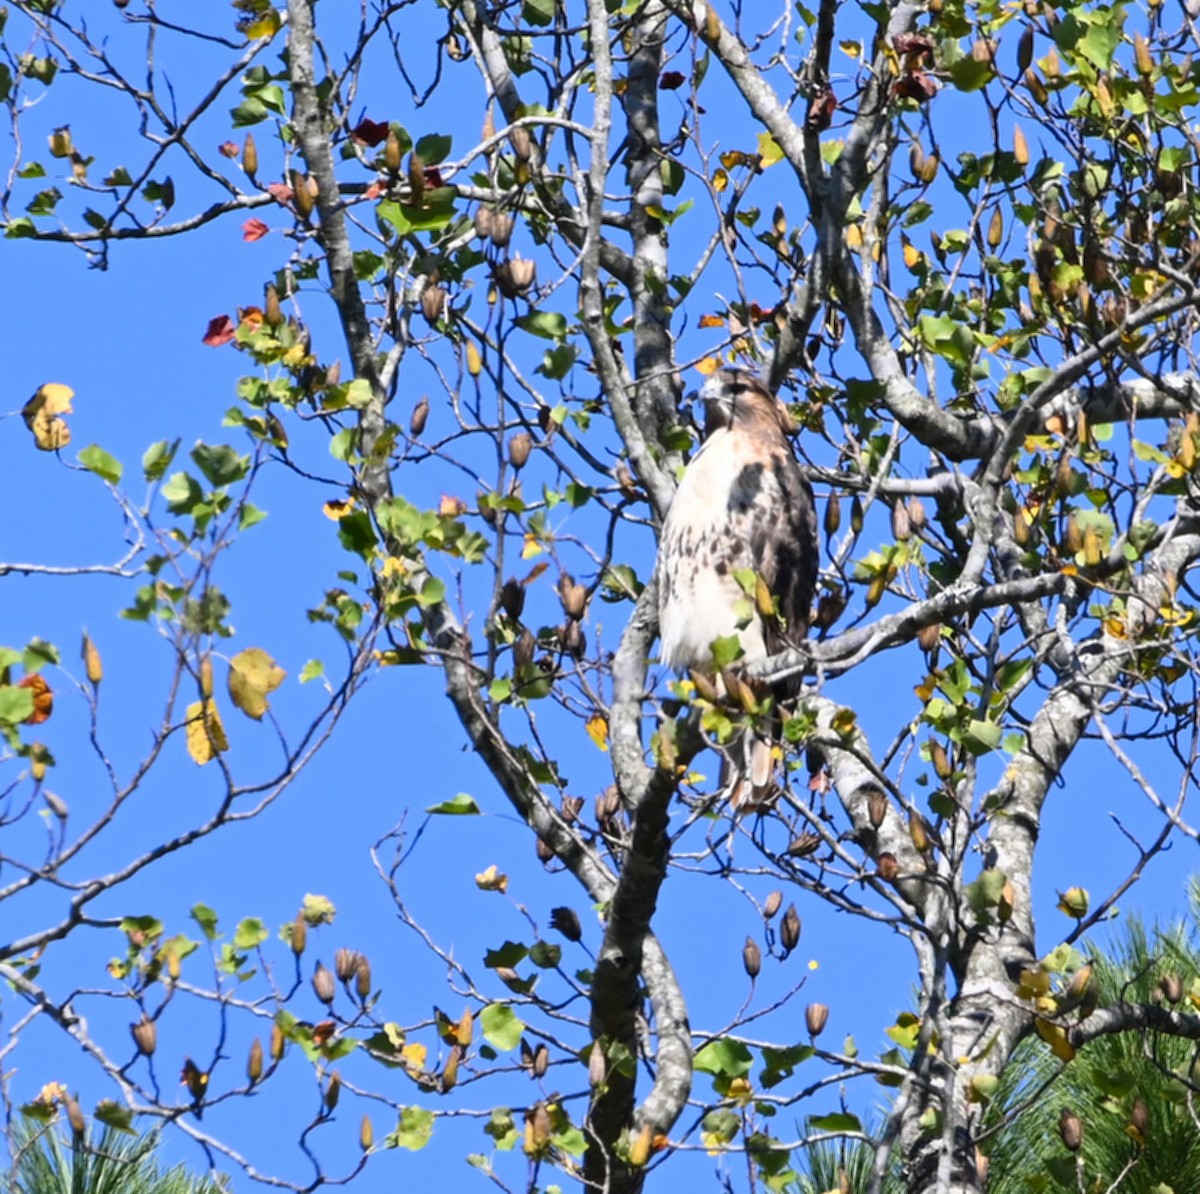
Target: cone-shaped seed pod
995 231
789 929
901 526
433 303
541 1061
830 607
572 806
206 677
366 1134
449 1077
515 276
705 688
299 936
254 1063
876 807
74 1115
416 179
521 142
639 1150
519 448
1139 1117
392 153
420 417
1171 986
917 517
345 964
751 958
145 1035
833 514
1020 146
772 904
566 921
302 197
940 760
474 359
512 598
815 1017
523 650
1025 50
918 831
1072 536
91 661
545 851
362 979
278 1042
574 601
597 1067
333 1091
322 984
574 641
250 155
886 867
856 515
803 845
272 312
929 636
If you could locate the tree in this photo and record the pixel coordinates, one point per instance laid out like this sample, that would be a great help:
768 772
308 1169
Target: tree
112 1161
976 289
1122 1113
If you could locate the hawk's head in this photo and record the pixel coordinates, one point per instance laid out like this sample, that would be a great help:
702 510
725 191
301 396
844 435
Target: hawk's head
736 397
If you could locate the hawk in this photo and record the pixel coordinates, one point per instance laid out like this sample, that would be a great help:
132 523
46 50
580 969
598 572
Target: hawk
740 537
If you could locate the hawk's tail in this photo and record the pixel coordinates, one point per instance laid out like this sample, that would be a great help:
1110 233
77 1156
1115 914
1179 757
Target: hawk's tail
748 765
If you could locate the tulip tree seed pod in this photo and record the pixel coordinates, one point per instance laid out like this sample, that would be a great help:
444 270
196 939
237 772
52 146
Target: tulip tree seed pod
541 1061
254 1063
91 661
519 448
815 1017
876 807
433 303
302 197
345 964
917 517
751 958
918 831
928 637
566 921
801 847
521 142
572 806
523 650
420 417
597 1066
940 760
416 179
789 929
299 937
545 851
501 229
250 156
833 514
901 526
206 677
145 1035
856 516
278 1043
772 904
1171 986
1020 146
886 867
362 979
366 1134
392 152
512 598
333 1091
1070 1129
1139 1118
574 601
272 312
449 1079
322 984
74 1115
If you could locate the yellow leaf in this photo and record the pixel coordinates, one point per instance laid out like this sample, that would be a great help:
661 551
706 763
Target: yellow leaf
814 964
597 729
769 150
253 675
414 1056
1056 1037
708 365
532 547
337 508
853 236
474 360
492 880
852 49
42 415
720 181
912 255
265 26
205 733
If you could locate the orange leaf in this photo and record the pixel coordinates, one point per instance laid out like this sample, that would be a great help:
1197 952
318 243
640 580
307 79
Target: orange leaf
712 321
708 365
43 699
254 229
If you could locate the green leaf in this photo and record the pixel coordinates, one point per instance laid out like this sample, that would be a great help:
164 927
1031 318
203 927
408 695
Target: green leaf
38 654
510 954
433 148
115 1116
839 1121
724 1059
220 463
96 460
250 933
206 918
550 325
538 12
414 1129
545 955
986 891
461 805
725 650
16 704
312 670
501 1026
157 458
249 515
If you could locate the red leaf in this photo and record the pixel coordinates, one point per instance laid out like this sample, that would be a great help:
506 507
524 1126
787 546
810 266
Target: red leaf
374 190
370 132
281 193
820 111
254 229
669 80
914 43
220 331
228 149
915 86
433 177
